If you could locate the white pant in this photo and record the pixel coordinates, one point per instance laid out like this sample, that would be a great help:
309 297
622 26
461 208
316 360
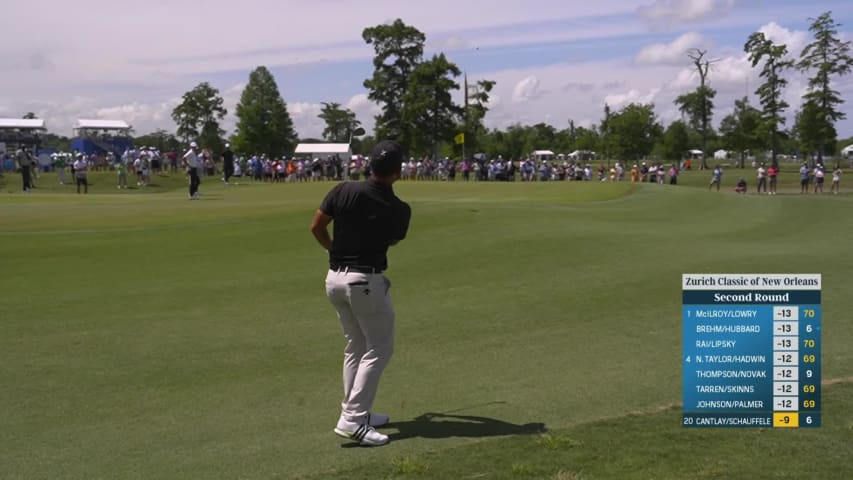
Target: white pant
364 309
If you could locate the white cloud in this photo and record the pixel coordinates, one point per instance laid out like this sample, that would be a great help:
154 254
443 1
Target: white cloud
677 11
363 107
673 53
527 89
144 118
619 100
309 125
733 73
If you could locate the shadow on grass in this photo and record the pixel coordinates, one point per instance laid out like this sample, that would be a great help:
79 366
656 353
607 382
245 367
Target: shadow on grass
441 425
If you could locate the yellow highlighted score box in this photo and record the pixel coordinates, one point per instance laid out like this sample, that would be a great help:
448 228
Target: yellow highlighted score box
786 420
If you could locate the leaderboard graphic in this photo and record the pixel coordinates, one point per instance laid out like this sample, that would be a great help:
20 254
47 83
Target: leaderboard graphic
751 351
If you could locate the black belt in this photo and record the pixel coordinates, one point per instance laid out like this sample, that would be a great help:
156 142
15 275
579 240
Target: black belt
355 268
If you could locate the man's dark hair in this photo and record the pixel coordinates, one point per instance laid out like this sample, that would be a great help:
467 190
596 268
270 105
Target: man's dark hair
386 158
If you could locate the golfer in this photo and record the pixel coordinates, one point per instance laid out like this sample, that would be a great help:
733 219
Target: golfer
716 178
25 161
81 167
227 163
368 218
194 169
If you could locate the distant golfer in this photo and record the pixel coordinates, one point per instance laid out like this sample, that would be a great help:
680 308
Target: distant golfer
81 173
716 178
193 169
24 161
368 218
227 163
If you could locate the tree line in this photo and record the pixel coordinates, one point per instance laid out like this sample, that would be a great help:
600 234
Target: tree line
417 107
415 96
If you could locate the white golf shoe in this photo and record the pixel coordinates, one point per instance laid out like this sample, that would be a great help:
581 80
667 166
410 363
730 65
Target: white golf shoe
363 433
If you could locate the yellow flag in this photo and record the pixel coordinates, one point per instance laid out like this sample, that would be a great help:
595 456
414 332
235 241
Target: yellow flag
459 139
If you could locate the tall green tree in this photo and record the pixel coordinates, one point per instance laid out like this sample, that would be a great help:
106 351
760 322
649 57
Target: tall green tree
634 130
587 139
761 49
398 50
827 56
813 131
340 122
198 116
741 130
675 141
428 105
697 107
263 122
54 141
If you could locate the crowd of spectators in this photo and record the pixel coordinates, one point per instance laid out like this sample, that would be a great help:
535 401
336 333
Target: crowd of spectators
144 161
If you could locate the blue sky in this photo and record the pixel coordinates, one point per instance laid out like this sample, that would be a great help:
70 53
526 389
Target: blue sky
553 60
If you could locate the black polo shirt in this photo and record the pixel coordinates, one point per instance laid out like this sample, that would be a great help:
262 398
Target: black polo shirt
228 157
367 219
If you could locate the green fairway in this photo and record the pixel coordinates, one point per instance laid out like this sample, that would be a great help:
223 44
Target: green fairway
148 336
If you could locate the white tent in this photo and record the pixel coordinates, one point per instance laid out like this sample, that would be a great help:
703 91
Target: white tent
22 123
323 150
721 154
696 154
101 124
543 155
847 151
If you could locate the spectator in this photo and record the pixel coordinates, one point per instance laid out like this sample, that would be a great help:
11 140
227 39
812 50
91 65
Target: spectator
804 179
772 173
741 186
762 178
836 179
818 178
673 175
